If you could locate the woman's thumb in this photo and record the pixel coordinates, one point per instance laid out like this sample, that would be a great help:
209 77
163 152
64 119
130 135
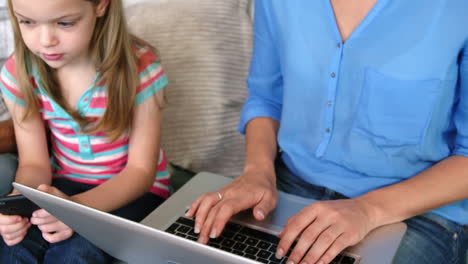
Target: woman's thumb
263 208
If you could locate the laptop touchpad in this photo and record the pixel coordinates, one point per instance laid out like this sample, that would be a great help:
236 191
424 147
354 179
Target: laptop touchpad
288 205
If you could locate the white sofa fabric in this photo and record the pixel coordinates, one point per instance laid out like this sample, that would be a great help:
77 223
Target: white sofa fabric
205 48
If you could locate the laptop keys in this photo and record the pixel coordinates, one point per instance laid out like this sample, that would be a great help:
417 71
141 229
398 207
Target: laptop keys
263 245
264 254
240 246
251 241
246 242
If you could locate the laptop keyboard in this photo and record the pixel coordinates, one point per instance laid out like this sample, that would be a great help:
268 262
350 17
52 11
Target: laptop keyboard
246 242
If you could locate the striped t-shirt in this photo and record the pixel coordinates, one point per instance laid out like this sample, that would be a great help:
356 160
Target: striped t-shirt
90 159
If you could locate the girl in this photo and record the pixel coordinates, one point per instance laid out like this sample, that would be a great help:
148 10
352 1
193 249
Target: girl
77 73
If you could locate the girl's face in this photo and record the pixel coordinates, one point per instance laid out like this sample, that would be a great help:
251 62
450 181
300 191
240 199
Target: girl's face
58 31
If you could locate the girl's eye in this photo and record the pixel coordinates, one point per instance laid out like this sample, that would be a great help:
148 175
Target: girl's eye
66 24
26 22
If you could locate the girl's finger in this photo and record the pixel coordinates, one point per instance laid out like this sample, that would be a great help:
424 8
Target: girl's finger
48 219
57 236
56 226
40 213
18 233
14 241
8 229
9 219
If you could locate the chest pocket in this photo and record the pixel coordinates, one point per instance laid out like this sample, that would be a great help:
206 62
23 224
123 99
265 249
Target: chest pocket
394 112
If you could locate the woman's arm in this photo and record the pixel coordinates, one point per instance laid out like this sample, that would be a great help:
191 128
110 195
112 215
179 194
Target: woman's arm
138 175
442 184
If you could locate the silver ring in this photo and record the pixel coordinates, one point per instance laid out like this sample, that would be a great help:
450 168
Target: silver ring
220 196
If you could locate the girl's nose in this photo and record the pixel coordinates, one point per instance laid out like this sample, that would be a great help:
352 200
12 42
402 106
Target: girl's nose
48 37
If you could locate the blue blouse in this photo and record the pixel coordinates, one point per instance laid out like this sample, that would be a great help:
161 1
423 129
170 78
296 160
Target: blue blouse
385 105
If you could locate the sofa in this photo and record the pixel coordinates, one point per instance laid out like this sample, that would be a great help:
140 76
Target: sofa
205 48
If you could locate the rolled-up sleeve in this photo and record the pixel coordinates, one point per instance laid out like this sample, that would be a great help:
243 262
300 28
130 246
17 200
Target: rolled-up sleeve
461 113
265 83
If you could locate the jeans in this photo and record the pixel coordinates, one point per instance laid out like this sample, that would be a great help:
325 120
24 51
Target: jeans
8 166
430 238
35 250
76 249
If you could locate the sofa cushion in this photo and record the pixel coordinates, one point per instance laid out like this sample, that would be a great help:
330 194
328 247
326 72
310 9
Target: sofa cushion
205 48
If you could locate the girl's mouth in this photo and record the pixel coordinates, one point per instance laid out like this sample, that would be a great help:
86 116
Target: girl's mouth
52 57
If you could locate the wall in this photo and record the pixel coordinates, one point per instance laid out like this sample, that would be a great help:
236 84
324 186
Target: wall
126 2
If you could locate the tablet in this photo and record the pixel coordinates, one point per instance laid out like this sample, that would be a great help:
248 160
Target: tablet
17 205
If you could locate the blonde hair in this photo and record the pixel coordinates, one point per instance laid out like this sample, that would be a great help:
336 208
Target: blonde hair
111 48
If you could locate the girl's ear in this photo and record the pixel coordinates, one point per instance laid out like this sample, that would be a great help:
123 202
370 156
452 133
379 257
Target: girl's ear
102 7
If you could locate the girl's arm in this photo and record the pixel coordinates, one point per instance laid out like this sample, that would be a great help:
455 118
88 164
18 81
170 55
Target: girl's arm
138 175
31 139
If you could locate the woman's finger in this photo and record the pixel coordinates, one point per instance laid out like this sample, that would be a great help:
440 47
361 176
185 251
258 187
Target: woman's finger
293 228
209 200
336 248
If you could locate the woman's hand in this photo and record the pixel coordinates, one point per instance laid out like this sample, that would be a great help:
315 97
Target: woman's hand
52 229
213 210
324 229
13 228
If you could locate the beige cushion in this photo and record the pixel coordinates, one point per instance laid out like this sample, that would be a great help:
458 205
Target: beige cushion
205 48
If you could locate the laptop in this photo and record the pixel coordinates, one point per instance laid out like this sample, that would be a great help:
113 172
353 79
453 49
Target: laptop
166 237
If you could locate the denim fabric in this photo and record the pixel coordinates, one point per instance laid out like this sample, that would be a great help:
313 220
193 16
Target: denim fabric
35 250
75 250
8 166
430 238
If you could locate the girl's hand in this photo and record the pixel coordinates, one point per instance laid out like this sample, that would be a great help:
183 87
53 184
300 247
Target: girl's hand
213 210
323 230
53 230
13 228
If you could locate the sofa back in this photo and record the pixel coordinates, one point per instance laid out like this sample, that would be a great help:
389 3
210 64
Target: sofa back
205 48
